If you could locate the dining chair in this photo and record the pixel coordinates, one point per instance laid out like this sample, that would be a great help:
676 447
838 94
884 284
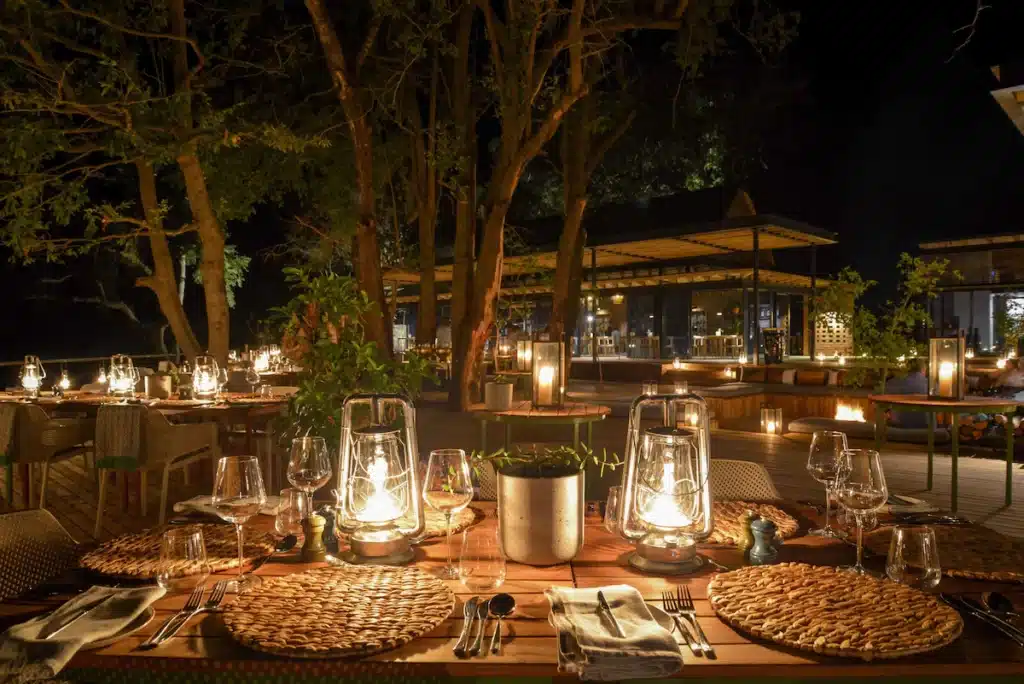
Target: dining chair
741 481
34 548
161 447
43 441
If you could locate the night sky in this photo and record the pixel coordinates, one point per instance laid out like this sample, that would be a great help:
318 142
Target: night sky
893 144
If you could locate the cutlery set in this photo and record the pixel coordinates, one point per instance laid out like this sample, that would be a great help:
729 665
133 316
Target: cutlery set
985 613
680 605
193 607
500 606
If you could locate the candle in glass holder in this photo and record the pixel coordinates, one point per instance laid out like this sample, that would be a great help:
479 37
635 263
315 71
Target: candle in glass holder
946 369
546 385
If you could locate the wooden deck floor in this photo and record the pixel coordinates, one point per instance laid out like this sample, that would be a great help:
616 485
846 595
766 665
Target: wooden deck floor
72 492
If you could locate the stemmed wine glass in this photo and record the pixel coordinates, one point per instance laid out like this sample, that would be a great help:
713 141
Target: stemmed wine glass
309 467
252 376
448 488
861 488
238 494
824 463
223 377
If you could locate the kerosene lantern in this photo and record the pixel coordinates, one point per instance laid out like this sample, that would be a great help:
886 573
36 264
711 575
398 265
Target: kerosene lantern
548 358
947 378
205 378
31 376
121 378
380 509
524 355
665 504
261 362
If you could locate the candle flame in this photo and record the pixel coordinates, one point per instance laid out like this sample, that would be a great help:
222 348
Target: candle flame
380 506
663 509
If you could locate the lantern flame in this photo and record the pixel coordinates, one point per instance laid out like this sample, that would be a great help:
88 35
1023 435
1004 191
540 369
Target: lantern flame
380 506
663 508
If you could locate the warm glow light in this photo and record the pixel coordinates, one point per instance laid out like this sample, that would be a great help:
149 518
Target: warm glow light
102 377
718 332
1011 354
381 505
849 413
820 358
742 359
730 374
31 381
842 360
617 298
946 369
545 385
770 427
122 383
1001 364
969 354
65 382
262 362
677 364
662 510
204 383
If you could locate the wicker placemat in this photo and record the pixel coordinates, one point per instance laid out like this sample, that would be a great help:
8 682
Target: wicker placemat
728 531
339 612
435 521
137 556
967 551
833 612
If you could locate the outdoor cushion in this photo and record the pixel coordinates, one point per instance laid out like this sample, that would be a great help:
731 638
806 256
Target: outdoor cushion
789 377
811 377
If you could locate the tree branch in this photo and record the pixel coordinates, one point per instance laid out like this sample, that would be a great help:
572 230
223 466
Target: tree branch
496 40
970 28
532 147
594 159
371 38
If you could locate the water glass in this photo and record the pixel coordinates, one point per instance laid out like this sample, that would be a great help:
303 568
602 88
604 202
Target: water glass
266 392
481 563
291 513
611 510
914 557
183 562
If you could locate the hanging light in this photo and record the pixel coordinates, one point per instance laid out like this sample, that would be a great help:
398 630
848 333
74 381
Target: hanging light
666 495
31 376
121 377
205 378
524 355
946 368
379 503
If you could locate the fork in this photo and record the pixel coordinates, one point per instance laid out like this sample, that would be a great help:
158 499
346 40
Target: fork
216 597
688 610
195 600
674 610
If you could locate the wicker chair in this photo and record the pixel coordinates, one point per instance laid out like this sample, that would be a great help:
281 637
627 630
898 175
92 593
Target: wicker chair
741 481
34 549
163 447
44 440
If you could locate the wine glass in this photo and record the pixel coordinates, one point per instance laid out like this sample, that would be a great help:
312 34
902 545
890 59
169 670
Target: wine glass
862 490
824 463
481 562
448 488
914 557
252 376
238 494
222 379
309 466
611 510
183 562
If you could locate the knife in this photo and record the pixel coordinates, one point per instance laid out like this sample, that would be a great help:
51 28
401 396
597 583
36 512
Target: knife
603 603
468 612
78 616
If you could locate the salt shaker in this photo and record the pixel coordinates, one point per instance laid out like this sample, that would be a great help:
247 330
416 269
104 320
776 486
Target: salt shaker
329 536
764 551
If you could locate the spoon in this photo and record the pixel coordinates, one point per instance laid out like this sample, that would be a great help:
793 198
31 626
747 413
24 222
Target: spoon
502 605
286 544
997 603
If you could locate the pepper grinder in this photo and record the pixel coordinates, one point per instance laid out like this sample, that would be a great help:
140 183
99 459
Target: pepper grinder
746 541
329 536
764 551
313 549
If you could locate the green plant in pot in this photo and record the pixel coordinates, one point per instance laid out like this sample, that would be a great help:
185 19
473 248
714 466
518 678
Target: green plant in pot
541 499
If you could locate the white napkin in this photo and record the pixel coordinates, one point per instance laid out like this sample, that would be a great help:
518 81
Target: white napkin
24 657
589 645
204 504
898 503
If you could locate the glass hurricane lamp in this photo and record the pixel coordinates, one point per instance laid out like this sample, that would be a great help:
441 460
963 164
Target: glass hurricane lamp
947 378
31 376
121 376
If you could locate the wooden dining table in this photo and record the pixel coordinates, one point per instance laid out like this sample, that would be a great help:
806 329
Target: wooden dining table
204 651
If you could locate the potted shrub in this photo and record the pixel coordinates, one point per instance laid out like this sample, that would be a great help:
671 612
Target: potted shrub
541 503
498 394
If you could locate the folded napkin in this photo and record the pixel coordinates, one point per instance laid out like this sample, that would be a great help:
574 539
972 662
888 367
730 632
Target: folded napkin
589 645
897 503
204 504
24 657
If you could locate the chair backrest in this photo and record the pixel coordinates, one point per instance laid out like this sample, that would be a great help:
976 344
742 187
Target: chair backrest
34 548
741 481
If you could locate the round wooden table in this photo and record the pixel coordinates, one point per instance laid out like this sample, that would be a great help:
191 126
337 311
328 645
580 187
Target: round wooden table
922 403
523 413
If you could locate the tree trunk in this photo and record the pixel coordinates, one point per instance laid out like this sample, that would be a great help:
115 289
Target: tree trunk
426 323
211 263
572 306
365 250
569 246
426 320
162 281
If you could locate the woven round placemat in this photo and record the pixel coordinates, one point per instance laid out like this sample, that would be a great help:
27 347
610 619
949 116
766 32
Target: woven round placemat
833 612
137 556
967 551
339 611
435 521
728 531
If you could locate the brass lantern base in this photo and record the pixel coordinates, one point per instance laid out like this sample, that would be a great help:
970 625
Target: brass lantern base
666 559
378 551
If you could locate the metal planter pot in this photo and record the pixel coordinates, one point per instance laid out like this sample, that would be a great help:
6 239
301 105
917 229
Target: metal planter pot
541 518
498 396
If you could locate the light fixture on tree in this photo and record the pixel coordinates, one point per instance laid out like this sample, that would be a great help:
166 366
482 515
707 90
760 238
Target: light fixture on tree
524 355
947 378
31 376
121 376
665 504
771 420
548 374
205 378
379 504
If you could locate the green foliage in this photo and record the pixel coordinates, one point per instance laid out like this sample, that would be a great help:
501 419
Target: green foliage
323 334
1009 324
236 265
883 339
547 462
